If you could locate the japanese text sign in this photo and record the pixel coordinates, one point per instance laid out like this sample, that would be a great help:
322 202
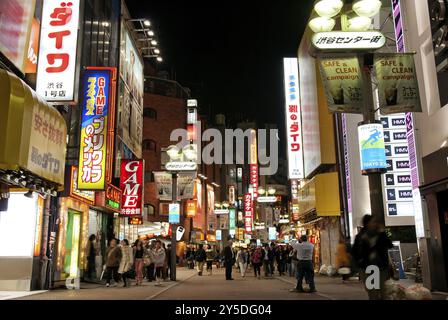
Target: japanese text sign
57 53
343 41
397 83
293 119
342 78
254 179
248 215
94 124
131 185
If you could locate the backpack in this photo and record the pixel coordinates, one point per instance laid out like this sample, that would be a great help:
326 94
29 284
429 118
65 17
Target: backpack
256 258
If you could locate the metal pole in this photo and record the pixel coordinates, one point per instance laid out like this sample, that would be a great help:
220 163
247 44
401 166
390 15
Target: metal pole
173 232
375 185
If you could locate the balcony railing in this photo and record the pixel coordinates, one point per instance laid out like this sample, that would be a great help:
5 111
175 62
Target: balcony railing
167 88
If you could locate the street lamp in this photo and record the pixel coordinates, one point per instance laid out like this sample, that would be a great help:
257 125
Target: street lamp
261 190
367 8
322 24
151 33
190 152
174 152
359 24
271 191
328 8
147 23
156 51
159 59
154 42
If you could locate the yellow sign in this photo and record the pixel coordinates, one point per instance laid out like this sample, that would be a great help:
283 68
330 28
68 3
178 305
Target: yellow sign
320 194
32 133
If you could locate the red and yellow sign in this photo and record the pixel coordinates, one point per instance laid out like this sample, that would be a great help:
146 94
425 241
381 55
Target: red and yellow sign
82 195
135 221
191 208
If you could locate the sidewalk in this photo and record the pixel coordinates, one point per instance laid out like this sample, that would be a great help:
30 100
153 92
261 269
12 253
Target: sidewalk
93 291
9 295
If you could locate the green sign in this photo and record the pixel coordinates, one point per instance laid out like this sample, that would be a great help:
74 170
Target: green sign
342 80
397 83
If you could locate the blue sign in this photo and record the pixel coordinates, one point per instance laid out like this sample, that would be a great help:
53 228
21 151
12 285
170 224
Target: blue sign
174 213
371 146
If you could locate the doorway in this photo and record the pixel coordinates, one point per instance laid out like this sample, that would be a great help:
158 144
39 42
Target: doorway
442 201
71 258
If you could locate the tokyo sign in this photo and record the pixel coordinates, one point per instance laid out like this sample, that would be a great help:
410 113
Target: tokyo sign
131 185
57 53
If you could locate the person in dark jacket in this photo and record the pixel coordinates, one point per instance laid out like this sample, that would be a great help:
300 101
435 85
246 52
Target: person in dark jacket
229 260
92 251
200 258
113 259
371 249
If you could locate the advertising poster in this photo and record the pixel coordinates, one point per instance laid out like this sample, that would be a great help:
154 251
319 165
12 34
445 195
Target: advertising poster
198 220
397 83
130 129
94 124
272 233
33 48
164 186
342 78
372 147
131 185
174 213
185 185
15 22
211 217
58 45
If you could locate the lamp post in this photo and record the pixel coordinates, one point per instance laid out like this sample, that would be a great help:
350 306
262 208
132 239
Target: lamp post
177 155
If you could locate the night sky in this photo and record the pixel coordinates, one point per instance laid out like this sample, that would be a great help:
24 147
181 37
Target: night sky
229 53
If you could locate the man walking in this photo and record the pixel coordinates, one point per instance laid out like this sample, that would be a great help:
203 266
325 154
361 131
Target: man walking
200 259
229 260
305 266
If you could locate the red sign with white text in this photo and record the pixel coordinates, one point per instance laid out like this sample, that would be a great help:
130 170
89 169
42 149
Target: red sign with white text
248 216
131 185
254 178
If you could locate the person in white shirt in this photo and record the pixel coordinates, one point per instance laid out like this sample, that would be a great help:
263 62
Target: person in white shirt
305 266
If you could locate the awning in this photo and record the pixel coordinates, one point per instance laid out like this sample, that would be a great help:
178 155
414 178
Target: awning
32 133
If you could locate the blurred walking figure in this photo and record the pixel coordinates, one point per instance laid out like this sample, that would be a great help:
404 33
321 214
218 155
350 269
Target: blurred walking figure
113 259
200 258
229 260
92 251
149 264
126 261
210 256
242 258
139 252
257 260
305 268
344 259
268 257
158 258
167 268
371 248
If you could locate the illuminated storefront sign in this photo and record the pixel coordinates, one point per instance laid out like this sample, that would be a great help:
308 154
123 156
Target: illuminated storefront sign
232 218
232 195
248 212
135 221
96 115
191 208
372 148
272 233
131 185
218 235
221 211
293 119
83 195
346 41
254 179
113 197
267 199
57 53
33 48
15 23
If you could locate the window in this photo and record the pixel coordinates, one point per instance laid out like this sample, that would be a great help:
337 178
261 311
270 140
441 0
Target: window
150 113
149 145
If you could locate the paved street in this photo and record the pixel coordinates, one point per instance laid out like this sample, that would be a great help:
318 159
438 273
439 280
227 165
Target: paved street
190 286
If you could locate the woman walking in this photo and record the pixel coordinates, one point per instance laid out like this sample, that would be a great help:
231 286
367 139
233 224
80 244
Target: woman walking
127 260
139 252
210 256
113 259
242 260
257 260
158 258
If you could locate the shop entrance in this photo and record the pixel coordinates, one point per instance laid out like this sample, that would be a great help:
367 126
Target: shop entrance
71 258
442 199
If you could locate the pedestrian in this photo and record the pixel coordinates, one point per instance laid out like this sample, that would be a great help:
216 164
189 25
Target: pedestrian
371 249
126 262
343 258
257 260
242 259
113 259
168 262
305 266
148 265
218 259
200 258
139 252
91 253
210 256
158 258
294 262
267 256
272 259
190 258
229 260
